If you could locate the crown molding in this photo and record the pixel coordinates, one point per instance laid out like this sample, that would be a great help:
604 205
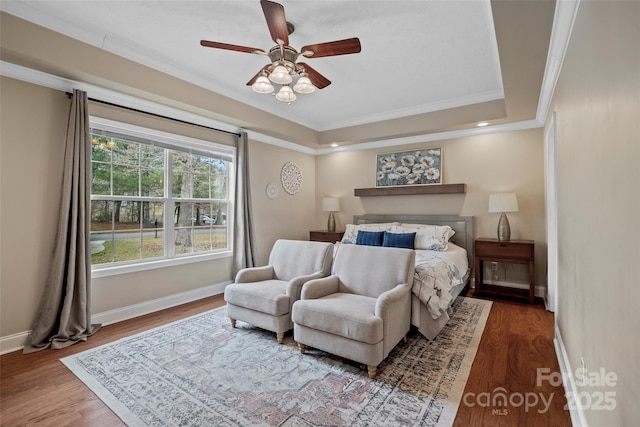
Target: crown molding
563 20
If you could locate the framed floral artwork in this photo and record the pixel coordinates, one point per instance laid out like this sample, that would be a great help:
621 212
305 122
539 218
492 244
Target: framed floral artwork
413 167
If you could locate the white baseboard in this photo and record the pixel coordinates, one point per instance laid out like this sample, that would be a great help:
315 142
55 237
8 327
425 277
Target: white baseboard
16 342
576 414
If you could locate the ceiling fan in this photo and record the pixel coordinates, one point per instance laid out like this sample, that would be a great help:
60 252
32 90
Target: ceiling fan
284 65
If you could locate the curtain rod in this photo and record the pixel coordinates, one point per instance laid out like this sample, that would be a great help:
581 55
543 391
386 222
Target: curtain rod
69 94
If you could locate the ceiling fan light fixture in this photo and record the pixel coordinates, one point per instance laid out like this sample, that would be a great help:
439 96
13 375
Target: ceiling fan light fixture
285 94
262 85
280 75
304 85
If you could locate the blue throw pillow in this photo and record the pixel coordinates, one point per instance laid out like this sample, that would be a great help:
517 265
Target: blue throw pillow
369 238
399 240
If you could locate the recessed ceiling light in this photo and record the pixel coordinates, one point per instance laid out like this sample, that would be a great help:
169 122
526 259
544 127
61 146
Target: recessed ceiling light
334 144
483 124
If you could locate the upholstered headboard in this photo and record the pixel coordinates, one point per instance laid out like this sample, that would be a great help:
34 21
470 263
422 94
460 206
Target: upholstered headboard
462 225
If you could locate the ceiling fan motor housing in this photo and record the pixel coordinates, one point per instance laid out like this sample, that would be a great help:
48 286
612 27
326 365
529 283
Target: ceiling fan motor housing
285 55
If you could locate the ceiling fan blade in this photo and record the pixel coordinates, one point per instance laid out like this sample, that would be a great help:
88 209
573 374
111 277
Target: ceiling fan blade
254 78
338 47
217 45
274 14
316 78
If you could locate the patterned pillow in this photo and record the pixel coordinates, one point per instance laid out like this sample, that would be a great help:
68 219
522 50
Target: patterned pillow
399 240
370 238
430 237
351 230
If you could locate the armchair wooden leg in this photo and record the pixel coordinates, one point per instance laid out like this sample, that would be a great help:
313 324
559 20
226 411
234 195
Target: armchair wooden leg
280 337
372 371
404 339
233 322
302 348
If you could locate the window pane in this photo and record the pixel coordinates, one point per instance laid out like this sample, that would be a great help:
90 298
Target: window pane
101 215
101 179
127 215
126 153
126 246
101 247
152 182
200 186
219 171
125 180
151 157
101 148
153 234
182 169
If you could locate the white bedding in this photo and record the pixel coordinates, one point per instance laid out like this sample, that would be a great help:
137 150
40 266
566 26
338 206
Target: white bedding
436 274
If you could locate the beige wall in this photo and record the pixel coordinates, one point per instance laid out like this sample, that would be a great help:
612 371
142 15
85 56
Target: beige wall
31 155
287 216
597 106
509 161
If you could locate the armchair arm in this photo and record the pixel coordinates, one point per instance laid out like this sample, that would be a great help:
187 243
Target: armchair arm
387 299
394 307
319 288
294 287
255 274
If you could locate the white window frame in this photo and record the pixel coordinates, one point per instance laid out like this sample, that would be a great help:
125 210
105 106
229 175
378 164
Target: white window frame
183 143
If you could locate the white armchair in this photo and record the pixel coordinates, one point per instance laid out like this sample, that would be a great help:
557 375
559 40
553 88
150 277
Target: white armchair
363 310
263 296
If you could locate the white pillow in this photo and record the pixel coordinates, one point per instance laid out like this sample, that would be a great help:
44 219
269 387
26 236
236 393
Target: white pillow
430 237
351 230
450 234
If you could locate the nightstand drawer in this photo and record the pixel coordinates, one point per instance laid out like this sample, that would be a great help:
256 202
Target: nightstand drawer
511 249
326 236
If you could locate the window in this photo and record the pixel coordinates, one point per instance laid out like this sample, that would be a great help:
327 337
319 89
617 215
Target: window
157 196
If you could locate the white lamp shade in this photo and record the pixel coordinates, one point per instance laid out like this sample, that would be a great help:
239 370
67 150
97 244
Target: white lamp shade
280 75
330 204
262 85
303 85
503 202
285 94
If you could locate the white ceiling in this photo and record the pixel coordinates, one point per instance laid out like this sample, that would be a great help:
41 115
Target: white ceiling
417 56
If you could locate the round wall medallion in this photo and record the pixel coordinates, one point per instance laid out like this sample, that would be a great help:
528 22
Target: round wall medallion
271 191
291 177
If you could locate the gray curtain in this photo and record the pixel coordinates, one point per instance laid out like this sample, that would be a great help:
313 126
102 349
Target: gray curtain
64 316
243 236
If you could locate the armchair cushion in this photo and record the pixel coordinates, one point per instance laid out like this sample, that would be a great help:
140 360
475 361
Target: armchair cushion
347 315
268 297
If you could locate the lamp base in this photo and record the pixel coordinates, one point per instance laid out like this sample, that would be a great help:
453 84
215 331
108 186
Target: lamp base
331 222
504 229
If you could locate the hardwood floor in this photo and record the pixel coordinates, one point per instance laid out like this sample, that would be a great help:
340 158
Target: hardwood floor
37 389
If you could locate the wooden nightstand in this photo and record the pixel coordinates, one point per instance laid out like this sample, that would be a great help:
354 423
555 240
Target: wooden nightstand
326 236
513 251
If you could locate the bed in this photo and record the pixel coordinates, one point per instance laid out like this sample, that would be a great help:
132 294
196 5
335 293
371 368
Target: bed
440 276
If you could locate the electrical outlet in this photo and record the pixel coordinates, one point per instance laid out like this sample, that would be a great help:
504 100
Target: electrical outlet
494 272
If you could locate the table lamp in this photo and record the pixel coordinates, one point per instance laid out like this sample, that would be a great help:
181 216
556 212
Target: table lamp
502 203
331 205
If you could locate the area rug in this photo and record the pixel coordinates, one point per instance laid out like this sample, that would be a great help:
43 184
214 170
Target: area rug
201 372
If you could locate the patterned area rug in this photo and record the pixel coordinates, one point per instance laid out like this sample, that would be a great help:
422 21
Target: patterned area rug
200 372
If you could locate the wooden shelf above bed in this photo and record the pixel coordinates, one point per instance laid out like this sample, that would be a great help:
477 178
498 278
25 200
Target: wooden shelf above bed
411 190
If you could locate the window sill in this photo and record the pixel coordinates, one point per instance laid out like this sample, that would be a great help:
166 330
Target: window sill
105 271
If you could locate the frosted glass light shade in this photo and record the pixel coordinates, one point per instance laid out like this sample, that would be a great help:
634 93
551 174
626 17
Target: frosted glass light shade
285 94
303 85
330 204
503 202
262 85
280 75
